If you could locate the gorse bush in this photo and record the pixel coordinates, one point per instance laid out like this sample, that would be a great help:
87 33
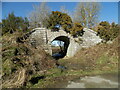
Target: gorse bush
108 31
76 30
60 19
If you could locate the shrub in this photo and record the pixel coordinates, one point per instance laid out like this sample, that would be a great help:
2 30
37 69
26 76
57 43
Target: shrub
77 30
59 19
108 31
13 23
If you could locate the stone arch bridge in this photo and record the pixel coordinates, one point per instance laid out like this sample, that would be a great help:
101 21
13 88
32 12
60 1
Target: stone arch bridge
71 45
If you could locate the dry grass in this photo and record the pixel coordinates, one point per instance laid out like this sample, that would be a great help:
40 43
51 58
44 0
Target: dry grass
17 80
21 61
101 56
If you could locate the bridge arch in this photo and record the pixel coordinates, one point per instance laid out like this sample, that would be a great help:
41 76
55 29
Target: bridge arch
88 39
66 41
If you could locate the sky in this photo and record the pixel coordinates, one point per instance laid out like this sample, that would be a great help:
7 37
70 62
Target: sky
108 11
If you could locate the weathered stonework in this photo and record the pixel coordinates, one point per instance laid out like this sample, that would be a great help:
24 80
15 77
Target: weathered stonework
88 39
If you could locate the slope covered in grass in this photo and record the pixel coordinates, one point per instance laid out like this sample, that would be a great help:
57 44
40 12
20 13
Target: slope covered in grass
26 66
101 57
98 59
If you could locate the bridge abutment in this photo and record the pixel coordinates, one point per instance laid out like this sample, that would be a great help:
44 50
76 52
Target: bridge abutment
44 37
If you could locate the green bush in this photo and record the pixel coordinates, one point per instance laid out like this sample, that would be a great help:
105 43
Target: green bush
12 23
60 19
76 30
108 31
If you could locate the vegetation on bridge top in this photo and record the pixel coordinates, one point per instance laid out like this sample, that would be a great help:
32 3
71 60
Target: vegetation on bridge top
57 20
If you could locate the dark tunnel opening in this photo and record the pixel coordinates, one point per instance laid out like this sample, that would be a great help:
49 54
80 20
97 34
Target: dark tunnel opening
59 47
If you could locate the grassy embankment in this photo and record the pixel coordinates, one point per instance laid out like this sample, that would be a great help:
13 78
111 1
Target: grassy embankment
99 59
33 68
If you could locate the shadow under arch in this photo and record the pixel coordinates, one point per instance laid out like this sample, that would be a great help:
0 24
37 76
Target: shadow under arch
66 41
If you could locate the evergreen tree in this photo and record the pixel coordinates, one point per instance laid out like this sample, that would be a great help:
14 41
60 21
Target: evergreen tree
13 23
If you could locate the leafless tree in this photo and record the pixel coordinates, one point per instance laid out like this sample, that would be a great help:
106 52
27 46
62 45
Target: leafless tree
87 13
64 10
39 14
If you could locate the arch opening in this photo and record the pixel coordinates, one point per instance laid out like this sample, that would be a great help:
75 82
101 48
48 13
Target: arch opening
59 47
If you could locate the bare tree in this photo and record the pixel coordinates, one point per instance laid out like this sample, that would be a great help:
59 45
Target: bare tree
80 14
39 15
64 10
93 12
87 13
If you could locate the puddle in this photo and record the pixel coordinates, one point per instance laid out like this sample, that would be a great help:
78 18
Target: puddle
99 81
